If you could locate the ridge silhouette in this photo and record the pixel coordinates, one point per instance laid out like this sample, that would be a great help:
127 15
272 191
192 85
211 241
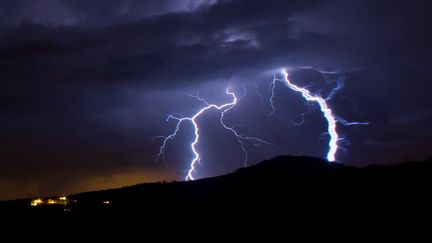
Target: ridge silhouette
286 191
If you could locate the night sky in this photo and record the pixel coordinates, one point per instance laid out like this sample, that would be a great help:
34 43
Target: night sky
86 85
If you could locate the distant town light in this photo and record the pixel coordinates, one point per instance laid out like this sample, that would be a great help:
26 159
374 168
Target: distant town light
52 201
106 202
36 202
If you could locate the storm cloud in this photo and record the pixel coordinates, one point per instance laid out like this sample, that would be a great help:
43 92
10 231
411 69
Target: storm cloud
86 84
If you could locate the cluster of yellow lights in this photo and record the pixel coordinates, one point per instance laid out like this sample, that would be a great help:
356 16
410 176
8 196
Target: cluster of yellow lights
57 201
50 201
36 202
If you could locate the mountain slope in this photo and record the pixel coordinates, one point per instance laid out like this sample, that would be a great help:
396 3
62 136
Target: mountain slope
292 190
275 178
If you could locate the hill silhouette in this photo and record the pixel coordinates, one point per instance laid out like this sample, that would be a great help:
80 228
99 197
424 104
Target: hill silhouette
286 190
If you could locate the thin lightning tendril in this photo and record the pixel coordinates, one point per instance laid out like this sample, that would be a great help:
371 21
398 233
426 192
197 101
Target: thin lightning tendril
340 85
241 137
272 88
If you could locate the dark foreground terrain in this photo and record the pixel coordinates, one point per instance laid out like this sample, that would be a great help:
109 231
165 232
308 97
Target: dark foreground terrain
276 199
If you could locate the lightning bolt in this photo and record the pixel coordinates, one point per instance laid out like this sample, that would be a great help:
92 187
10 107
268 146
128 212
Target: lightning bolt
324 107
224 108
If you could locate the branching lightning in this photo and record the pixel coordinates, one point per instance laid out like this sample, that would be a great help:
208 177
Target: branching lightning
224 108
325 109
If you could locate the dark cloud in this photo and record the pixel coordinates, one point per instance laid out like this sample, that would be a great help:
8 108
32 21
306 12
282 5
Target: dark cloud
91 77
151 50
89 13
13 12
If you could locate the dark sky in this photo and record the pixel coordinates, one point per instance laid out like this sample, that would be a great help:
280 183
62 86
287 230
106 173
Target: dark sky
85 85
